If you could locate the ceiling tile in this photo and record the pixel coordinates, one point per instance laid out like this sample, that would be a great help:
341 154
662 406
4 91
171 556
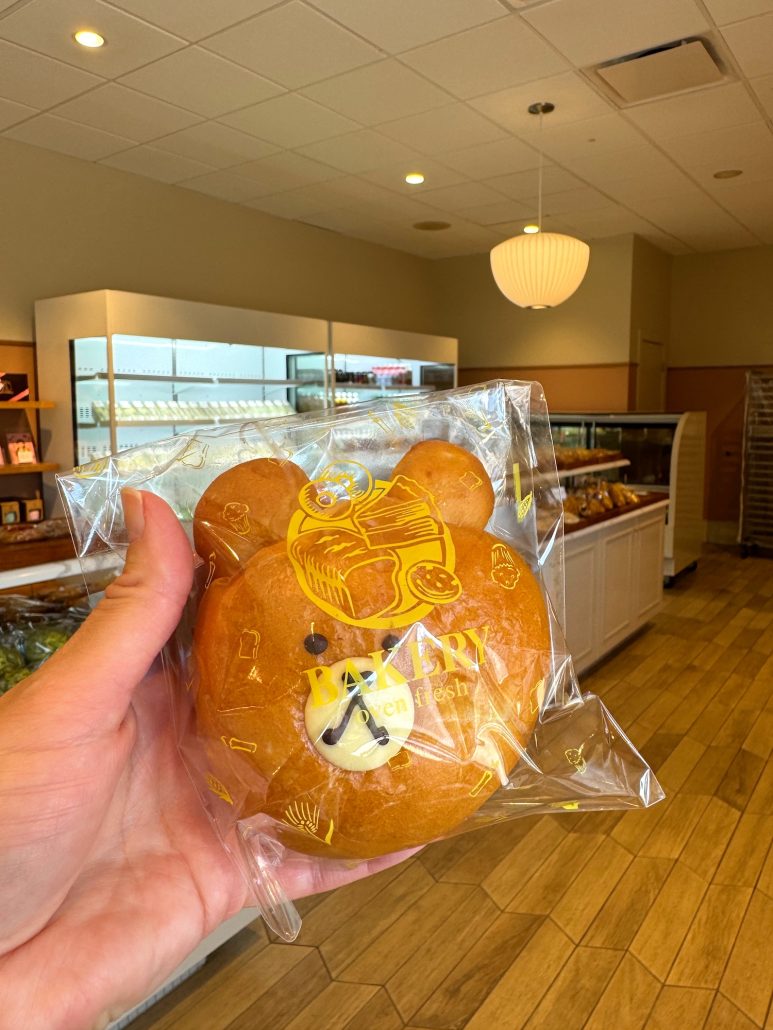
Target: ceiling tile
193 19
68 137
589 31
523 185
290 121
752 44
216 145
755 168
649 186
693 218
502 211
575 202
587 138
763 87
378 93
387 23
465 195
725 11
338 193
611 220
11 113
40 81
156 164
48 27
392 176
446 128
707 110
549 224
283 171
722 148
358 151
489 159
293 45
202 82
573 100
134 115
223 185
285 205
605 166
489 58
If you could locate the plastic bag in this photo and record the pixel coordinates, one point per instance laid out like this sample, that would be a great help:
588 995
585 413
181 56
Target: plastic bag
372 657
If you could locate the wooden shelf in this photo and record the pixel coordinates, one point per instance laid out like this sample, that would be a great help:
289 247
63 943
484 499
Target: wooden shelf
22 470
25 405
584 470
209 380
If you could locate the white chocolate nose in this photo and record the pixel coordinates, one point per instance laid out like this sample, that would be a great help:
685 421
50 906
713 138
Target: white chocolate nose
367 723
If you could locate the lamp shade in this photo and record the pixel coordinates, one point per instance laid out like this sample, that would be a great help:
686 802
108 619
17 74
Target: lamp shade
541 270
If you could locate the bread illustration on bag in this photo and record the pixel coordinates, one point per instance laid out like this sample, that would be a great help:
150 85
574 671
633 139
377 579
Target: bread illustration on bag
395 649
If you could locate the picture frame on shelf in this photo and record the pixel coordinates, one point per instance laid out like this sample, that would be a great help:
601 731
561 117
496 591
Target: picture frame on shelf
21 449
14 386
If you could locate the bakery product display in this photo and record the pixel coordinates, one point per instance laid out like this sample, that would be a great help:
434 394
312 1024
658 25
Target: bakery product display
372 662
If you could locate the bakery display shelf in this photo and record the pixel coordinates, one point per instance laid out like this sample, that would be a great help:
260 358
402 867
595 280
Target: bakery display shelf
375 388
581 470
644 501
25 469
215 420
25 405
209 380
586 470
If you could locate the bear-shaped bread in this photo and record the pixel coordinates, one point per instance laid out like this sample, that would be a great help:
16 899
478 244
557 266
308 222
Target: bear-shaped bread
371 675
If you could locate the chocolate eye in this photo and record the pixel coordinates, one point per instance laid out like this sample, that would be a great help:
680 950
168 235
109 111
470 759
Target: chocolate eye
315 643
390 642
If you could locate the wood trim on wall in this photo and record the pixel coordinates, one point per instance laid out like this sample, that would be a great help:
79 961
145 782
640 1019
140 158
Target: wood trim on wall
574 388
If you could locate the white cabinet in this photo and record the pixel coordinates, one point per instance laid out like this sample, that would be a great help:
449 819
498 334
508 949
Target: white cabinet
614 582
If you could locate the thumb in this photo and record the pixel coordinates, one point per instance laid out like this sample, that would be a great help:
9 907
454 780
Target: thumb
98 668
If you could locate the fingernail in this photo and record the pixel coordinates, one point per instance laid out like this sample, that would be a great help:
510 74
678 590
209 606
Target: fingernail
133 513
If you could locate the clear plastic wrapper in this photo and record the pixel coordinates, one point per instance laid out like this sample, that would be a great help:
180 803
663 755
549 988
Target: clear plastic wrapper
372 657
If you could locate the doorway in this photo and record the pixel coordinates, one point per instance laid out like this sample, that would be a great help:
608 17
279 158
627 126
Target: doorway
651 376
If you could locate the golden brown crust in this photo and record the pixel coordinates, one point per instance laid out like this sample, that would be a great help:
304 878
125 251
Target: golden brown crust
473 665
456 479
245 508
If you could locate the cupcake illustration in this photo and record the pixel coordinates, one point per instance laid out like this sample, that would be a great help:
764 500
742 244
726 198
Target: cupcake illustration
235 514
503 569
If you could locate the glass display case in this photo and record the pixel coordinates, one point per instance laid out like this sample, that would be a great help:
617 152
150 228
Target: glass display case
645 441
658 453
359 378
126 369
130 390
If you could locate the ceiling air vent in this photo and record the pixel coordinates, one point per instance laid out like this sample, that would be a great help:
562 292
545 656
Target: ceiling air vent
663 71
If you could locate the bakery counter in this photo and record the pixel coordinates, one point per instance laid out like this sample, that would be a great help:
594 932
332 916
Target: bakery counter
614 580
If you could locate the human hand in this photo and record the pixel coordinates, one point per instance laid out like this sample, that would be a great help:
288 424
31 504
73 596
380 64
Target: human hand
110 871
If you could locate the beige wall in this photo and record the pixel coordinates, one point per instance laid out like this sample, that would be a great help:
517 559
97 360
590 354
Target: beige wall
69 226
722 308
592 327
650 295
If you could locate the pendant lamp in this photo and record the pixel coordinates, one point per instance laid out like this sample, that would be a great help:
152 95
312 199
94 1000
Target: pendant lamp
543 269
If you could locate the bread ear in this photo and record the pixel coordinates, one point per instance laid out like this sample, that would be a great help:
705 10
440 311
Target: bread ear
244 509
456 479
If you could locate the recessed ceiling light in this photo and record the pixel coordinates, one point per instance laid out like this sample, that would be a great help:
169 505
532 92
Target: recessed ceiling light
728 173
531 228
431 226
414 178
89 39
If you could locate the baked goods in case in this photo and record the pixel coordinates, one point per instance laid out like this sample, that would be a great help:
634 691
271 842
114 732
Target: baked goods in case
369 679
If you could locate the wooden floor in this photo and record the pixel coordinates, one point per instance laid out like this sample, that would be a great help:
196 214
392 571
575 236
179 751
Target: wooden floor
660 919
